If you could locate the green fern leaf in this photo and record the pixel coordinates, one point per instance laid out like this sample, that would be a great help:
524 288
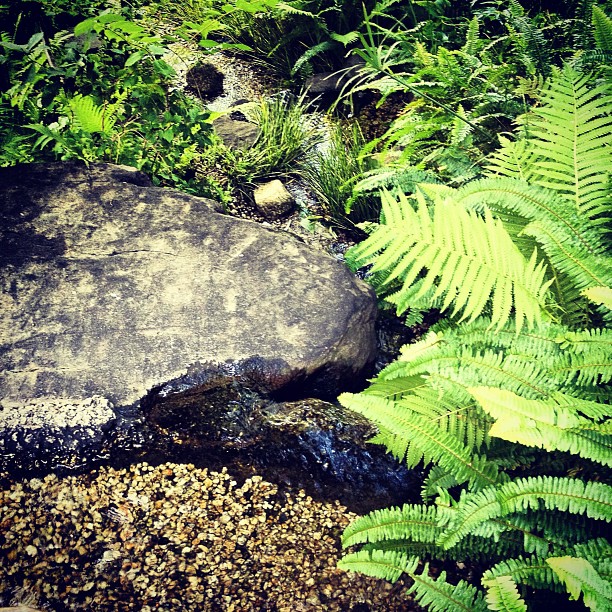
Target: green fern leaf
573 126
563 494
437 594
90 117
584 269
305 58
533 571
602 29
436 479
551 424
511 160
599 554
533 204
345 39
455 367
417 523
441 596
472 41
580 576
431 443
456 414
386 564
502 594
470 262
599 295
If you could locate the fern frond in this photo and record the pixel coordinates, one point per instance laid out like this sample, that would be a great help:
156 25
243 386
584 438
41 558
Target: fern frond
470 262
583 268
580 577
472 41
90 117
599 553
564 494
511 160
599 295
589 341
602 29
552 424
417 523
502 594
441 596
311 52
587 369
533 204
572 128
436 479
462 367
437 594
532 571
457 415
386 564
412 435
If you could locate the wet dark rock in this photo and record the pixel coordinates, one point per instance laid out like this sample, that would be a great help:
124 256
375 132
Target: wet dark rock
310 443
54 434
324 88
237 114
205 81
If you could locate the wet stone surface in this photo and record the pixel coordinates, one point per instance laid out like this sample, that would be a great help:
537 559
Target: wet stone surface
311 444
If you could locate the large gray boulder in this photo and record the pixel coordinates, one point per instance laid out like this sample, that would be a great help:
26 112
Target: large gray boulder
115 289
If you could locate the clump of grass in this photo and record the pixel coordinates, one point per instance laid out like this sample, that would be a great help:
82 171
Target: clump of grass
332 172
287 133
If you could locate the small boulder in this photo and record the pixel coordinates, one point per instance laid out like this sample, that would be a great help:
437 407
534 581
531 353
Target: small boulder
273 200
236 134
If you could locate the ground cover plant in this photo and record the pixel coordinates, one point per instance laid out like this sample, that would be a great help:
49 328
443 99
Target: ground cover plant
100 92
464 83
508 398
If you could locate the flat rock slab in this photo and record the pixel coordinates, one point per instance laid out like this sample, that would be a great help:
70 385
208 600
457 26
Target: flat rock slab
112 288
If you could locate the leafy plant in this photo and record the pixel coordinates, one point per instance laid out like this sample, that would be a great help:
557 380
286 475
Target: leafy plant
517 375
331 171
286 133
123 110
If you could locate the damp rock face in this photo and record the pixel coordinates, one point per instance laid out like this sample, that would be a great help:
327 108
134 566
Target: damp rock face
310 444
110 287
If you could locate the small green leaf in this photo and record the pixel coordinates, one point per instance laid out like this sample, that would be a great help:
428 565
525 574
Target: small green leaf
135 57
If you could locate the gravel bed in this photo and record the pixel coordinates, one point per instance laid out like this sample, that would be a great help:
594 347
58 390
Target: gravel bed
174 537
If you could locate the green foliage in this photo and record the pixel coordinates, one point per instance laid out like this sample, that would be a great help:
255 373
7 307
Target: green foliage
331 172
286 134
100 93
580 577
602 29
528 369
472 263
294 37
